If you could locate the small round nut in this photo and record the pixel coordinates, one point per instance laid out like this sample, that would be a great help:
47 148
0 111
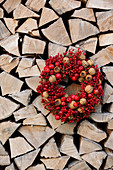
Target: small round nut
90 62
71 105
57 102
45 94
52 78
80 79
84 63
92 71
83 74
82 101
82 57
80 110
88 77
56 69
89 89
66 60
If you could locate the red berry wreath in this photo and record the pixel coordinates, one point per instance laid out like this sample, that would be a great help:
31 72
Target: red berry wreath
70 108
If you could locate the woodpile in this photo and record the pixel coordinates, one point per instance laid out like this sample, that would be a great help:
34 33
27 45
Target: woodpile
30 32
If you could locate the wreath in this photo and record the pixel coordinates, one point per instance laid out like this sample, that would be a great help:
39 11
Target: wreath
67 107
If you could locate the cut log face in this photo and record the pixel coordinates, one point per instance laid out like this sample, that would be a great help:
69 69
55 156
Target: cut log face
108 70
2 151
50 150
33 82
35 5
4 160
10 5
108 92
12 87
88 146
47 16
110 108
95 158
26 160
11 24
57 33
102 4
19 146
23 12
89 130
33 46
6 130
56 163
36 135
25 63
40 64
101 117
35 33
61 6
98 108
110 124
106 39
1 13
109 143
10 167
38 166
109 162
73 89
3 31
53 122
75 165
84 13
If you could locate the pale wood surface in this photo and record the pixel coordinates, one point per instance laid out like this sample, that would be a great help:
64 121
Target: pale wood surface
109 73
35 5
33 82
10 5
11 24
75 165
101 117
102 4
106 39
3 31
1 13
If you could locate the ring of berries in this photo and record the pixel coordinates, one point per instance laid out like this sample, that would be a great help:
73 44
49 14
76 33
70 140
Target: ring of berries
70 108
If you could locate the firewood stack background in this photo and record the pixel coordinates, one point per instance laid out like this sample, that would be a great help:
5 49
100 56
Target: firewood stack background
31 31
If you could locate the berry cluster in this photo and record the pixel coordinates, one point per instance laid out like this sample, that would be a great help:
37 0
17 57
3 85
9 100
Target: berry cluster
70 108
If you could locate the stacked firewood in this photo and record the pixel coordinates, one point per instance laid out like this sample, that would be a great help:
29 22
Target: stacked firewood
30 32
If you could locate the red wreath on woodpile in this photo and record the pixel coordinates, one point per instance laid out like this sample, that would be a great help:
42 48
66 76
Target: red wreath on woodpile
70 108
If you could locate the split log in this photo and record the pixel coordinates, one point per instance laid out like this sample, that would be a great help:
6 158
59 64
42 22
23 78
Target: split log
95 158
19 146
47 16
33 46
57 33
33 82
110 124
10 167
108 70
37 103
11 24
26 160
38 166
50 150
2 151
36 135
106 39
6 130
10 5
40 64
75 165
98 108
101 4
38 119
89 130
27 27
61 6
80 29
1 13
7 107
35 5
12 87
55 163
4 157
88 146
68 147
73 88
35 33
25 112
109 162
108 92
110 108
54 49
4 33
109 141
23 12
84 13
53 122
101 117
25 63
10 44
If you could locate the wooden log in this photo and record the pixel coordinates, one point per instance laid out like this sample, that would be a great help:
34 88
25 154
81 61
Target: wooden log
10 5
110 124
98 108
19 146
61 6
35 5
101 117
7 107
101 4
75 165
38 166
10 167
25 112
27 27
6 130
12 87
25 63
35 33
68 147
109 162
53 122
36 135
84 13
105 20
57 33
110 107
23 12
73 88
1 13
10 44
4 33
109 143
106 39
54 49
33 46
37 103
89 130
40 64
50 150
88 146
33 82
1 1
11 24
26 160
95 158
47 16
108 92
80 29
2 151
108 70
4 160
55 163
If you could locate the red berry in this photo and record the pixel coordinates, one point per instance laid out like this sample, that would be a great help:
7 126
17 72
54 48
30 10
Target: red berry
96 91
90 95
68 99
60 112
76 98
57 117
51 72
76 75
79 62
63 103
75 104
63 99
73 97
51 66
58 76
100 87
81 68
46 69
57 63
74 78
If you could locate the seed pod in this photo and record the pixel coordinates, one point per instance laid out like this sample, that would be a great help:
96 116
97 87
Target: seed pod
89 89
83 74
80 110
52 79
88 77
92 71
66 60
80 79
71 105
82 57
45 94
90 62
84 63
57 102
57 69
82 101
